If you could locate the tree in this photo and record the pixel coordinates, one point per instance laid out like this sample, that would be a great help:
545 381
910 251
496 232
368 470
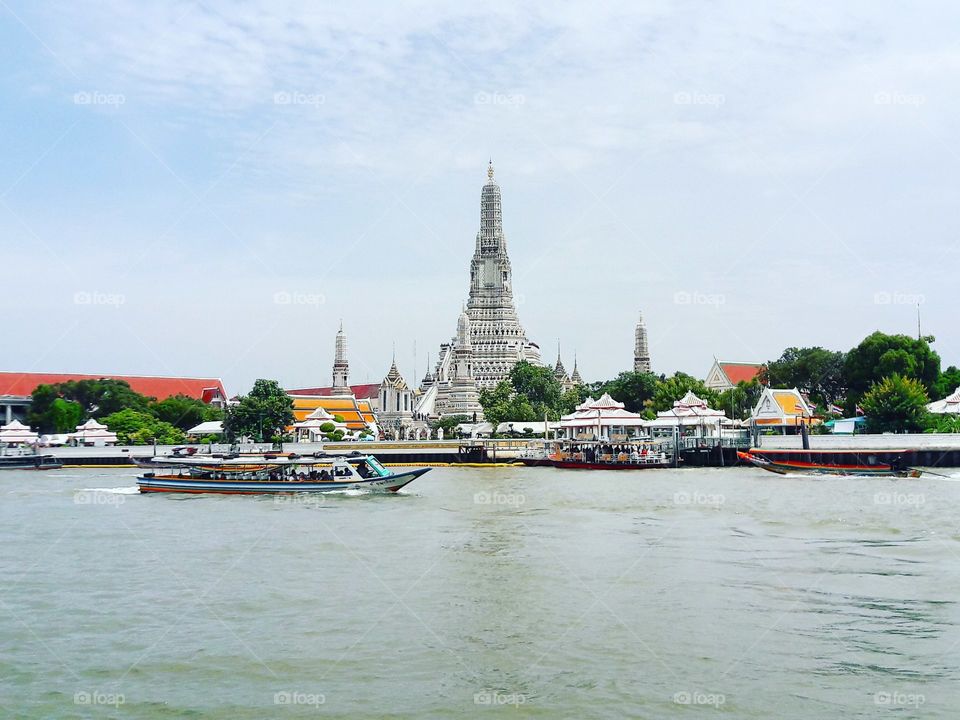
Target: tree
670 389
448 423
880 356
142 428
266 410
66 415
96 398
817 372
738 402
184 411
896 404
537 384
634 389
947 383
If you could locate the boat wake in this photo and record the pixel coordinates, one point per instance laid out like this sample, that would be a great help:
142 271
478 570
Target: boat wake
133 490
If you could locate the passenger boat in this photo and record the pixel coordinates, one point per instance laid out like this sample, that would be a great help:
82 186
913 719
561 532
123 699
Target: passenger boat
845 463
589 455
269 475
30 462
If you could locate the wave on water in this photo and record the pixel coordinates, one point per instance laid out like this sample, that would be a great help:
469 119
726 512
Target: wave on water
132 490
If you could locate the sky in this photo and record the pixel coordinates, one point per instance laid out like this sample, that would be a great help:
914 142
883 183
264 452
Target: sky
209 189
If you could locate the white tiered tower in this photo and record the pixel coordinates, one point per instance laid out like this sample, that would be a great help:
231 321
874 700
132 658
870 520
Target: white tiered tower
496 335
641 352
341 368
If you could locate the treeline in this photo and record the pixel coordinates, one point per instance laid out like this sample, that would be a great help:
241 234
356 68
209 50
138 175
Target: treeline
888 378
137 419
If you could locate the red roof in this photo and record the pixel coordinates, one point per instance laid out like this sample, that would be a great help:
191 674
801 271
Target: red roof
206 389
367 391
741 372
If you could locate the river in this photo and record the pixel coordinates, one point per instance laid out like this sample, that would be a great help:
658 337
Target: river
515 592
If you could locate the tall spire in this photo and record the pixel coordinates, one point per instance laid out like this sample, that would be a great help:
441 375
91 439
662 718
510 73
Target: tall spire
341 368
575 376
641 351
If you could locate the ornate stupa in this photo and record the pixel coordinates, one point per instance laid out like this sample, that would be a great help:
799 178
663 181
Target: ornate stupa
641 352
457 393
496 335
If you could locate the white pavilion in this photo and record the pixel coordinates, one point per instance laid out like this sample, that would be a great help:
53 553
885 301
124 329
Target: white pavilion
605 420
950 405
93 434
16 433
694 418
308 429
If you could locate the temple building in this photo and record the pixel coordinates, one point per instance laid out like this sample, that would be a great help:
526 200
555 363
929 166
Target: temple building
724 375
356 404
456 388
495 339
567 382
641 351
575 375
396 416
341 368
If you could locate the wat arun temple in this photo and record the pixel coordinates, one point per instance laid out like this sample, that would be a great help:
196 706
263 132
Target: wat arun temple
490 339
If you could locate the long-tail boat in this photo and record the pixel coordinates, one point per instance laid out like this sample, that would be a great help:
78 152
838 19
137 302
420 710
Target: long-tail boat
272 474
852 463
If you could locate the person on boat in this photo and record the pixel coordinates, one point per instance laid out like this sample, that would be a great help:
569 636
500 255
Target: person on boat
324 475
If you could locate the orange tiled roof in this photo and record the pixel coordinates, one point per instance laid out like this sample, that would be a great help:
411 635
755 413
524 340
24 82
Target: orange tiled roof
740 372
354 414
15 383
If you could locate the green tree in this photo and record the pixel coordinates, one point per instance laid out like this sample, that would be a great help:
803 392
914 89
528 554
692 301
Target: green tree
134 427
947 383
738 402
673 388
634 389
96 398
880 356
815 371
184 411
266 410
449 424
65 415
537 384
896 404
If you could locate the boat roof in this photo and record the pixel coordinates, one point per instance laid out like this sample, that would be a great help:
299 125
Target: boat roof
209 461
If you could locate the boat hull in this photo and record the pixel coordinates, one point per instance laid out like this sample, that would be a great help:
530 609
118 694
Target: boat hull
30 462
578 465
796 467
168 484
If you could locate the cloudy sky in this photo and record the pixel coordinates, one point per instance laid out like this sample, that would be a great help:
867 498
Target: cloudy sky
208 188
